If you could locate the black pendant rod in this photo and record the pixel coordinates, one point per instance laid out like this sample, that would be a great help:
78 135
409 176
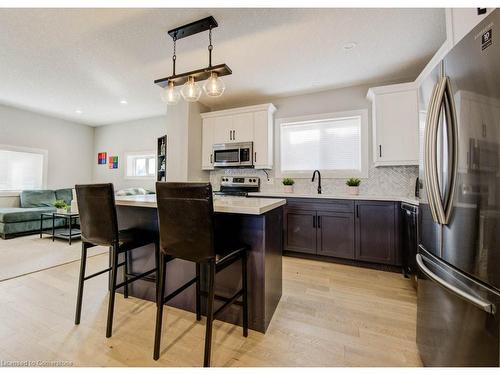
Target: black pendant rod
210 47
174 57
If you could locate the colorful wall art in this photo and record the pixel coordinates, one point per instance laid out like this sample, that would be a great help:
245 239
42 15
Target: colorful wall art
101 158
113 162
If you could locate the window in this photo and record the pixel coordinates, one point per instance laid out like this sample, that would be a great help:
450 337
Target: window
333 143
140 165
22 168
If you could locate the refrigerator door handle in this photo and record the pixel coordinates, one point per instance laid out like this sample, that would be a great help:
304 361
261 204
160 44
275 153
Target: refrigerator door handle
479 303
430 150
451 121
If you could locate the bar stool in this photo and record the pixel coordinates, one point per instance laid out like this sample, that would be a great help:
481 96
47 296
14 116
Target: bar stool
186 223
99 226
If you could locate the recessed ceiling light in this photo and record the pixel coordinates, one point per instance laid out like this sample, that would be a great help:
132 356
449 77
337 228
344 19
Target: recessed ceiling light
78 112
350 45
123 101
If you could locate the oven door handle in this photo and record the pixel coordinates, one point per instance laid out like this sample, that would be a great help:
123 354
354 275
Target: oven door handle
479 303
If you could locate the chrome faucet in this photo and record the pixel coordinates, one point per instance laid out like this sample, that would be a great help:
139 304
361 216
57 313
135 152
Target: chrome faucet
319 180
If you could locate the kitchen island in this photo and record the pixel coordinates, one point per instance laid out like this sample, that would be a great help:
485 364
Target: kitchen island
256 222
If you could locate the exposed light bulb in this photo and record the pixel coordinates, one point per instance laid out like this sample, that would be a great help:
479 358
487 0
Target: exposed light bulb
191 91
214 86
170 95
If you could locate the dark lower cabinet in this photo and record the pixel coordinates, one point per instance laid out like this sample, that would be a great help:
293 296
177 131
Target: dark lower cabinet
356 230
300 233
376 232
335 234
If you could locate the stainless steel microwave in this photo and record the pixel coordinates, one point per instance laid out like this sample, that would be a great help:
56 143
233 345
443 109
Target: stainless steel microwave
233 154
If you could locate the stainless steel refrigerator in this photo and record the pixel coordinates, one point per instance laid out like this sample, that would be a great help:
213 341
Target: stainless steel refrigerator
458 258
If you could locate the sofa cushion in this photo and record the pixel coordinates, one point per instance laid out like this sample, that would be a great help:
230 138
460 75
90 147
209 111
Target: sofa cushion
16 215
131 191
10 229
65 195
37 198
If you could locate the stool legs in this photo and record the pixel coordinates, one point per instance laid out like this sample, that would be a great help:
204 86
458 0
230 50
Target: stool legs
111 305
210 313
160 292
81 280
244 286
125 273
198 298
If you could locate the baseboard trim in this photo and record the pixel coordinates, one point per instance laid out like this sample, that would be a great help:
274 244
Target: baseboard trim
348 262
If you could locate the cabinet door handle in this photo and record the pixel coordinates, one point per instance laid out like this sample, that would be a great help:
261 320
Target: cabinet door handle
314 221
211 159
319 221
255 156
234 135
230 135
379 151
357 211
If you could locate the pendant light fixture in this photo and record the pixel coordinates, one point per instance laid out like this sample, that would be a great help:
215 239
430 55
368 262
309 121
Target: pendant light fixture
214 86
191 91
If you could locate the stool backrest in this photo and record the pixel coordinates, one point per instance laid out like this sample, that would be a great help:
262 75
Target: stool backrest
97 210
185 220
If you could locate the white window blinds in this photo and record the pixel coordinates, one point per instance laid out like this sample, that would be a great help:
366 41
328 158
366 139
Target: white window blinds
21 170
329 144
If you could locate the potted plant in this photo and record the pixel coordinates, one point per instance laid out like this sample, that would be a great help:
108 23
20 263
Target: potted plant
353 186
61 206
288 184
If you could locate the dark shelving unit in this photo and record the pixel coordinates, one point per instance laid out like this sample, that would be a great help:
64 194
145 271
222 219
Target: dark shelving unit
161 159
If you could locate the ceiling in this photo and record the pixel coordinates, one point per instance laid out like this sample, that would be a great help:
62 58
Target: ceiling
60 61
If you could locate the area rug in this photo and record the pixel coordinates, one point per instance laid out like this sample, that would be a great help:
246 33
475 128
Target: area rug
23 255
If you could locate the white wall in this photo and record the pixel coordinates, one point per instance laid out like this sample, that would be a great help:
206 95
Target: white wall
69 145
184 142
120 138
182 124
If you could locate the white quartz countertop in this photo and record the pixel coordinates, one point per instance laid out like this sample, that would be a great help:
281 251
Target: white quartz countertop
338 196
232 205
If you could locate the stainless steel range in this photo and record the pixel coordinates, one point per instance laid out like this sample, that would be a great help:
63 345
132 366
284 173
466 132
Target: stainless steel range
238 185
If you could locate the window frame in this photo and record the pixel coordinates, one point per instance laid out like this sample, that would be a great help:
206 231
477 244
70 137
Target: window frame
364 158
45 163
140 153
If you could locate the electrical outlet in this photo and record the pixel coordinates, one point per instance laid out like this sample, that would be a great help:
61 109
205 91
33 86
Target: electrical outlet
270 181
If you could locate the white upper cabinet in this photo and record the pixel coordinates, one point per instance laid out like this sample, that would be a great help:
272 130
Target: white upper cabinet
245 124
395 124
207 142
223 129
263 149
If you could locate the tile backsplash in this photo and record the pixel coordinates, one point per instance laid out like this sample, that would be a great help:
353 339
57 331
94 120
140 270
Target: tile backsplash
387 181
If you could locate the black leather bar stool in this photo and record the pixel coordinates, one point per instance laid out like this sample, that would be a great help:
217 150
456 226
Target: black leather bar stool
186 223
99 226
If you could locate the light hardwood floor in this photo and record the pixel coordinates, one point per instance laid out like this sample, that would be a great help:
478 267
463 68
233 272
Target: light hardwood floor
329 315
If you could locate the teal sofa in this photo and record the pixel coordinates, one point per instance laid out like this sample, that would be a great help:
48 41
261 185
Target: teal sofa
17 221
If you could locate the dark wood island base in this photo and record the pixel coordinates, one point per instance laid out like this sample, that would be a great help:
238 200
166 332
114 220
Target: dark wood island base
261 232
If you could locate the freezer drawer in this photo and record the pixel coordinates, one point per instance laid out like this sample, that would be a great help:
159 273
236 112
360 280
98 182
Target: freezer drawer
457 323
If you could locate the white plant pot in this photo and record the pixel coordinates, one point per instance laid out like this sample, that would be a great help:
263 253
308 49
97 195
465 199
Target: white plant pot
288 188
353 190
62 210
